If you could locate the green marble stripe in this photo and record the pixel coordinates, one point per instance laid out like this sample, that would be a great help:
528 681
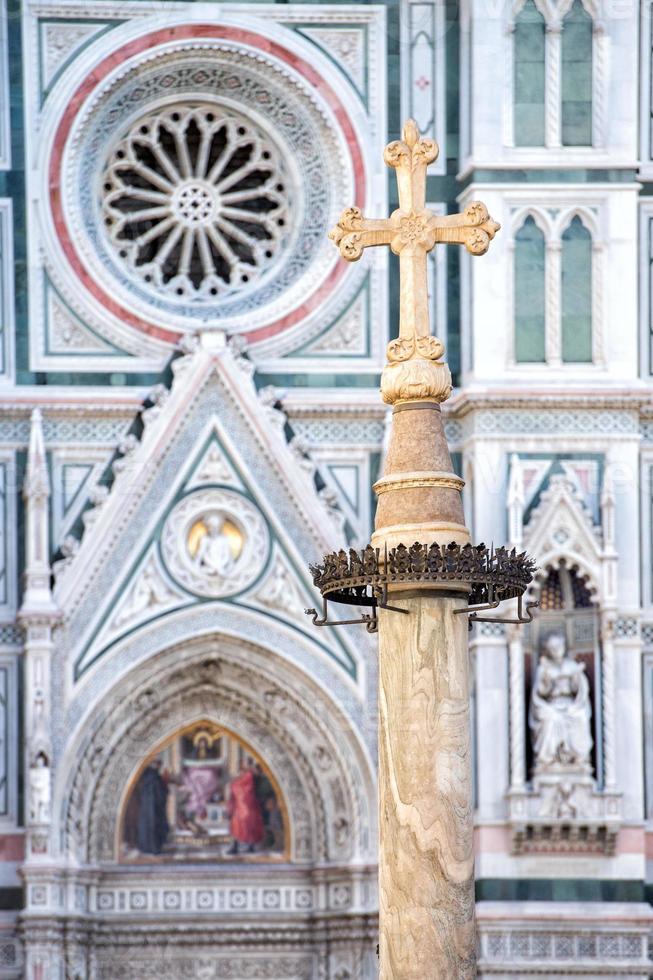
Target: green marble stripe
537 175
561 890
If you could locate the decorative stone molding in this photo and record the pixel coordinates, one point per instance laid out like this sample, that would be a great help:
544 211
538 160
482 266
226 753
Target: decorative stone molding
346 45
59 41
11 635
564 815
347 335
540 953
328 430
556 939
210 967
626 628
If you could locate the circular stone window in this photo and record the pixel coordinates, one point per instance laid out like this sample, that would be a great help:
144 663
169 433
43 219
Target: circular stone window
195 201
193 185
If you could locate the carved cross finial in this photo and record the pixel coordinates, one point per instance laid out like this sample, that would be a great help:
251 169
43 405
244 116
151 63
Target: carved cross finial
415 369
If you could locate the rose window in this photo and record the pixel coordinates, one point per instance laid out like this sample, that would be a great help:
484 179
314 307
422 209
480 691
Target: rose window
195 201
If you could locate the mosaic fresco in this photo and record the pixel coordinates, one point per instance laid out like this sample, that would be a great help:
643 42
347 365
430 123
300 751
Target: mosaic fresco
204 795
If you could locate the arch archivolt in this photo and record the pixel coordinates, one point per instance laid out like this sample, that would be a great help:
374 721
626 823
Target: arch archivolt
546 8
553 225
575 563
539 215
328 792
587 218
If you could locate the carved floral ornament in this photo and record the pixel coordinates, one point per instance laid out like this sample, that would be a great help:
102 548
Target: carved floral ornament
187 181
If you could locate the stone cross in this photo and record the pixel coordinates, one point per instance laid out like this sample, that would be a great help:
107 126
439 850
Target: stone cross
411 232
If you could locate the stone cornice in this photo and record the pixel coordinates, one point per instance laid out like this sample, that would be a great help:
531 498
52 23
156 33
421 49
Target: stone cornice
301 403
316 403
464 401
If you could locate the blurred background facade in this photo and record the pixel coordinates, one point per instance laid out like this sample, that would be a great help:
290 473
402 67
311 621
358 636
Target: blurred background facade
189 413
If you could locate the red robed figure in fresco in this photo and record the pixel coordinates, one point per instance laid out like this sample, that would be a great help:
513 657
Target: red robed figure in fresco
244 810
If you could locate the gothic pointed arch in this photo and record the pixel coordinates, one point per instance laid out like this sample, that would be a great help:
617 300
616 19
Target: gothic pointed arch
322 774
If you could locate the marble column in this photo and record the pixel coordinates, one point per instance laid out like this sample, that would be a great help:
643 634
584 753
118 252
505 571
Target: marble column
426 862
426 857
425 783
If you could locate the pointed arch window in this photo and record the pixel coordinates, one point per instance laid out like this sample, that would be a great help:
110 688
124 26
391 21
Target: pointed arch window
576 293
556 277
530 345
576 58
553 76
529 76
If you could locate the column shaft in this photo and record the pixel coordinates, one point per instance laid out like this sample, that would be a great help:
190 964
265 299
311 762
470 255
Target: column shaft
427 929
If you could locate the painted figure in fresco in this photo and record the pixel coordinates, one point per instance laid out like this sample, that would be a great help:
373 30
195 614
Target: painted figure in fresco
560 709
152 822
203 795
266 797
274 838
214 551
244 810
201 783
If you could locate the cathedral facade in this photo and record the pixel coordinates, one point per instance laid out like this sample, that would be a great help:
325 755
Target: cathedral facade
190 416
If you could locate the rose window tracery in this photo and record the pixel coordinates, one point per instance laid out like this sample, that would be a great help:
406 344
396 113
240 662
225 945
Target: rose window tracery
259 268
195 201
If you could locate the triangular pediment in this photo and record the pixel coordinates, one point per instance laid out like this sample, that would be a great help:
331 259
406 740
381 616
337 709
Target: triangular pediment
210 507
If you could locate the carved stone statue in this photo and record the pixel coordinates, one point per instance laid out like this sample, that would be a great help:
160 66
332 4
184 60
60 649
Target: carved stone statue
148 593
214 554
560 710
39 789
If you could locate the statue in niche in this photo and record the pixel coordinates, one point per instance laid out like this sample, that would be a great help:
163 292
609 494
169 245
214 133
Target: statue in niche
214 555
560 710
39 789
